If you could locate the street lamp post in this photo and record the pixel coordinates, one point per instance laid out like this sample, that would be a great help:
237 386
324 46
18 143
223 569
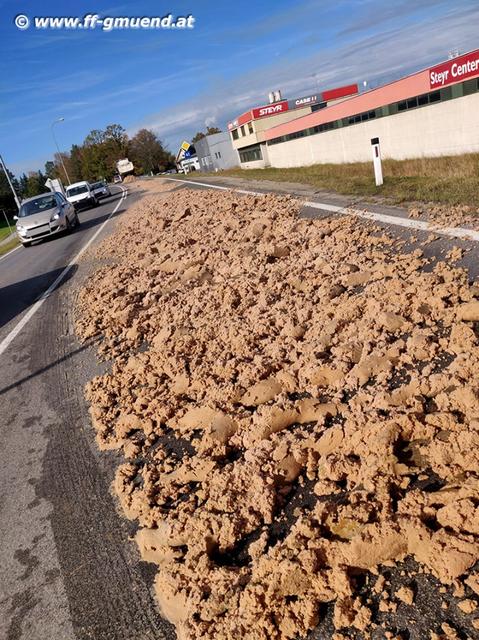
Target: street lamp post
58 149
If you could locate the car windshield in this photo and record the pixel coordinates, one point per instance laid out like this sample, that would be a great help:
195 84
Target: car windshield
75 191
97 185
37 206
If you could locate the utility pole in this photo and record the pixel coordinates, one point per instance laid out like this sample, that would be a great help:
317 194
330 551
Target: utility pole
58 149
17 200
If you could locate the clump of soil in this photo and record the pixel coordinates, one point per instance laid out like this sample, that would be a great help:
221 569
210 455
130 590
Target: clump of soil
443 215
297 403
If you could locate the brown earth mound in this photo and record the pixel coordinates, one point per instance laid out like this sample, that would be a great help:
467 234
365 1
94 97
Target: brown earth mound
298 406
442 215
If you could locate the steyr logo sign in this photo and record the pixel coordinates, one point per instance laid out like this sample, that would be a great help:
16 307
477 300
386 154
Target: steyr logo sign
270 109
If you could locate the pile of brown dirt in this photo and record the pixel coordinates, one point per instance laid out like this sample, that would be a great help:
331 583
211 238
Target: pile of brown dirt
298 406
442 215
129 179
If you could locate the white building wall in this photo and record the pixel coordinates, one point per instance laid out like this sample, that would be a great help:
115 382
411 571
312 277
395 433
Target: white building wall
445 128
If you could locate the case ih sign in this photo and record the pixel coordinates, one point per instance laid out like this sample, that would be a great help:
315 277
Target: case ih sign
454 70
270 109
305 101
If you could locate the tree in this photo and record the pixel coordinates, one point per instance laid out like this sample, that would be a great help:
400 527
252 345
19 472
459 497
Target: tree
209 131
117 134
115 147
148 153
75 166
35 184
7 201
50 169
62 162
101 151
95 158
95 137
22 185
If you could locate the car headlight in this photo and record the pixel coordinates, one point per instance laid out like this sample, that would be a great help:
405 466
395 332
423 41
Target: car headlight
55 216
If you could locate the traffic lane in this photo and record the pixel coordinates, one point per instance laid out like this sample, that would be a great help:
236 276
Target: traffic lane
25 274
40 256
411 239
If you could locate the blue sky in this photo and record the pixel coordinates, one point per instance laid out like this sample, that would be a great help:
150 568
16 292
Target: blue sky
177 82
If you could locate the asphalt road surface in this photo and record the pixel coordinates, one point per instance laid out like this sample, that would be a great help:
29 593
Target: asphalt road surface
67 568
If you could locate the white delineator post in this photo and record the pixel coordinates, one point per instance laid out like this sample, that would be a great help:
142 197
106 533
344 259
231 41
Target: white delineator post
378 169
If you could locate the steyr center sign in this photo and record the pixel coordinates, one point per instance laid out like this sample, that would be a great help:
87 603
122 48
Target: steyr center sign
454 70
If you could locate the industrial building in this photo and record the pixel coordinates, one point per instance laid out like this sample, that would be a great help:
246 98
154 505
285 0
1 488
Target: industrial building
216 153
248 131
430 113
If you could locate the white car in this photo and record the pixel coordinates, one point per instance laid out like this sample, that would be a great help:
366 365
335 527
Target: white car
80 194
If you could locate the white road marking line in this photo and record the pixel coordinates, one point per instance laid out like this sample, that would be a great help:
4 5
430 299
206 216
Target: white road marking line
33 309
203 184
5 255
418 225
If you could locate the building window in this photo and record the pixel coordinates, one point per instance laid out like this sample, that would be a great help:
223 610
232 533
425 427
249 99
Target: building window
243 133
317 107
250 127
250 154
470 86
234 133
362 117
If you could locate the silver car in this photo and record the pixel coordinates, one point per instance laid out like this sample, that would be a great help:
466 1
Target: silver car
100 189
44 216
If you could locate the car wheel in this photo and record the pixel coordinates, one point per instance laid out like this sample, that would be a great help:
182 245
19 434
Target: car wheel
76 220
